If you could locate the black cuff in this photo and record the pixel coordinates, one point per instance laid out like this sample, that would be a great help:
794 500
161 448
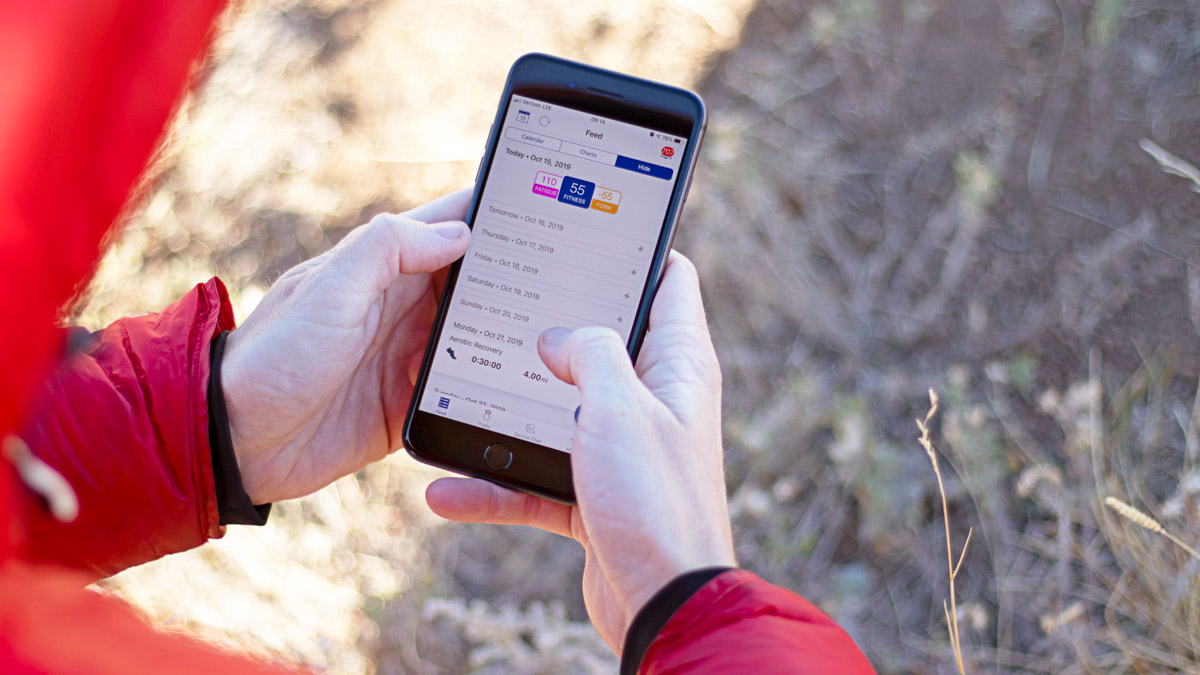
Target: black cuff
233 504
660 608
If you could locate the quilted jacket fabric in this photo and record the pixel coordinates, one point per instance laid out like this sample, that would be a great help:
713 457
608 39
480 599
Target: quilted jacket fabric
126 423
738 623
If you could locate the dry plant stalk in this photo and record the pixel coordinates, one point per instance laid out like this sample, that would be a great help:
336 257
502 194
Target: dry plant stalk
951 611
1052 623
1142 519
1171 164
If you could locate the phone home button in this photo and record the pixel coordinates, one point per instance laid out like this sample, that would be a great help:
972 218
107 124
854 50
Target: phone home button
497 456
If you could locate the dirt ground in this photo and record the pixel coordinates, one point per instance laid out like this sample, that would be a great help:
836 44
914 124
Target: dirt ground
995 200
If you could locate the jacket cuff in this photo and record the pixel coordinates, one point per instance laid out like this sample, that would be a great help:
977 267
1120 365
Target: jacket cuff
217 319
233 504
126 422
658 611
739 623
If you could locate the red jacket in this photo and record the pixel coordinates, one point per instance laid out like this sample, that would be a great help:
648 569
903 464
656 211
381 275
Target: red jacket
87 89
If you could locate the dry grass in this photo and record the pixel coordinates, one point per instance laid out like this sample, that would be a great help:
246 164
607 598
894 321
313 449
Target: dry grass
952 611
951 195
1145 521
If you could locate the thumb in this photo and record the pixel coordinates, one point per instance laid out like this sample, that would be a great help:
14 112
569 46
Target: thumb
376 254
593 359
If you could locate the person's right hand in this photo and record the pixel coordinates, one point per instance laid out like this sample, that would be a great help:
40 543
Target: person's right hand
647 458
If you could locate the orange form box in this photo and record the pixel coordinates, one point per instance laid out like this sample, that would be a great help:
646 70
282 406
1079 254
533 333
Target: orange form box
605 199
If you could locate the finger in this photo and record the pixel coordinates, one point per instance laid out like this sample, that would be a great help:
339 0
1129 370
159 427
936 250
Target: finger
593 359
678 301
376 254
471 500
414 367
439 282
678 328
448 207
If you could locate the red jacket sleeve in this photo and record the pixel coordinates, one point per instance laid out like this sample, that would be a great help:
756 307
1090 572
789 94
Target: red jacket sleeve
49 625
738 623
127 425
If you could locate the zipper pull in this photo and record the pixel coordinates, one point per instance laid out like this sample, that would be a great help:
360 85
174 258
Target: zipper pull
42 479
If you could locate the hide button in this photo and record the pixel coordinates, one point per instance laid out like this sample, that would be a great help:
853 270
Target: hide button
497 456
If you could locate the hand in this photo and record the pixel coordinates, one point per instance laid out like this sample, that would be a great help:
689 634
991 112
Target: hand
315 378
647 458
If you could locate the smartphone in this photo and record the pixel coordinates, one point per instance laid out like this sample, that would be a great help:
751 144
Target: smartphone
576 201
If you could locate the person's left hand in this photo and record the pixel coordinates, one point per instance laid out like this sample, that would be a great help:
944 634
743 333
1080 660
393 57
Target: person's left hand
315 379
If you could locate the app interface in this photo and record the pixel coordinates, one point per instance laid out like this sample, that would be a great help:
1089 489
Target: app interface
564 236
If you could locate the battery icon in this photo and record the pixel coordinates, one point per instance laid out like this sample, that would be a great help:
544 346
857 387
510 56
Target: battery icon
676 140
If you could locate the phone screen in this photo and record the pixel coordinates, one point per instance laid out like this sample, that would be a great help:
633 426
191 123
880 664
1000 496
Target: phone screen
564 235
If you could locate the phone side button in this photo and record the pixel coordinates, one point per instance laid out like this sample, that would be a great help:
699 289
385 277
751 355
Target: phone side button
497 456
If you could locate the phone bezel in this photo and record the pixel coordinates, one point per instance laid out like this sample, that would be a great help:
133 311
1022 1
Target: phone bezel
538 469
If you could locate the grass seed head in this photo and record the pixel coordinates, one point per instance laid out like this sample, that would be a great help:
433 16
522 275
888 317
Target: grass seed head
1133 515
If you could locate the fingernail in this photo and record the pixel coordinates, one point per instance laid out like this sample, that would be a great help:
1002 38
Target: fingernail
451 230
553 337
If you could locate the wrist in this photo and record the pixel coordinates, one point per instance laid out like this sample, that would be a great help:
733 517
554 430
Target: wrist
234 391
234 505
649 621
641 596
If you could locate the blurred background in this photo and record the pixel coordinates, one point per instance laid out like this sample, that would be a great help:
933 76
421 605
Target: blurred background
997 200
